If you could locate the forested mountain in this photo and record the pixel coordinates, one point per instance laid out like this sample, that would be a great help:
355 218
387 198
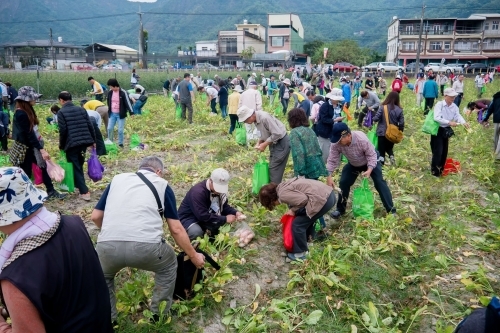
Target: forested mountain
173 23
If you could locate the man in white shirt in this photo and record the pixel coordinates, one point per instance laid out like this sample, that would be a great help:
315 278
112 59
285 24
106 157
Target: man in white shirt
5 95
458 86
252 99
212 94
479 82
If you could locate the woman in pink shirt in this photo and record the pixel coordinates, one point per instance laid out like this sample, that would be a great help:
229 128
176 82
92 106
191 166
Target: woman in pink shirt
119 103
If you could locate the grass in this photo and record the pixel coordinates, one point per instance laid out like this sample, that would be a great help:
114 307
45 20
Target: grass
419 272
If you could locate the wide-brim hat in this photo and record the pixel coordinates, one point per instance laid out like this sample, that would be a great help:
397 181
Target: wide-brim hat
20 197
27 94
334 97
244 113
287 81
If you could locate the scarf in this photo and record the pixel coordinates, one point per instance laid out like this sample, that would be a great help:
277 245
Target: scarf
34 233
217 201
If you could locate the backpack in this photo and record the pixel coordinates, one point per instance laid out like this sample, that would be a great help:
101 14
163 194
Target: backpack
392 133
397 85
188 275
104 87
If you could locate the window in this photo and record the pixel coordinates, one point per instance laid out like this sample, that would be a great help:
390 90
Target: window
72 51
409 29
277 41
487 26
204 48
63 50
408 46
436 28
494 26
436 46
447 46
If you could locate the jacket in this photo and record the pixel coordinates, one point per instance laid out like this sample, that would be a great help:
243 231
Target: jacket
75 127
4 124
494 109
306 153
125 104
430 89
346 92
400 85
300 193
324 125
396 117
21 131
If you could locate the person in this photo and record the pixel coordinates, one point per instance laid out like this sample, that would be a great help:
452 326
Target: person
298 97
233 102
51 279
356 86
263 84
95 119
362 159
418 89
239 81
330 112
198 80
372 103
5 95
123 243
25 132
458 86
479 107
139 99
166 88
430 93
175 91
100 108
307 200
118 104
96 88
4 131
273 134
494 109
317 102
252 99
321 84
447 114
382 84
223 98
284 94
54 109
397 84
205 208
441 81
12 95
346 92
396 117
212 97
76 134
369 85
186 97
479 83
271 88
134 79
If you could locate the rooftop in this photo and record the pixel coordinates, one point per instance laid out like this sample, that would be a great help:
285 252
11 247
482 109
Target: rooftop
40 43
118 47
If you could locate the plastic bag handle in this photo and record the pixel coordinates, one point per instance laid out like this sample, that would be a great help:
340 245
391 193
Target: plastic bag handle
364 183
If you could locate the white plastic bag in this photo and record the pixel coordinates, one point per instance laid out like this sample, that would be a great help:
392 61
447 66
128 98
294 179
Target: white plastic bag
244 233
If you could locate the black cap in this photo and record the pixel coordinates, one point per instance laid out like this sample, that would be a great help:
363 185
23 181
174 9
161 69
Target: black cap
339 130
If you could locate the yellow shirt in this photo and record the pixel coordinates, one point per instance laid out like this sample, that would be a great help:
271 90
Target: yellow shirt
97 88
92 105
232 102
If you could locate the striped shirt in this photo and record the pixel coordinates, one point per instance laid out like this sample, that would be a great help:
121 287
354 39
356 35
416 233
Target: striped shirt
359 153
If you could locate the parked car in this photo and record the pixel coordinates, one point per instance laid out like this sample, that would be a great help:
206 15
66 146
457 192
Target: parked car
166 65
187 67
112 67
258 67
370 67
345 67
389 67
227 66
33 68
438 67
411 67
477 68
205 65
457 67
497 69
84 67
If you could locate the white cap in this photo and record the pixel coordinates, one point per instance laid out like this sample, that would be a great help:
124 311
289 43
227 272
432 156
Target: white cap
253 74
238 88
450 92
244 113
220 180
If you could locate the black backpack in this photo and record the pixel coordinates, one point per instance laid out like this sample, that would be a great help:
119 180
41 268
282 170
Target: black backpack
188 275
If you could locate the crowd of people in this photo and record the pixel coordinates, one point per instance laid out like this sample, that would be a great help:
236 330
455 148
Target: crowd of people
318 140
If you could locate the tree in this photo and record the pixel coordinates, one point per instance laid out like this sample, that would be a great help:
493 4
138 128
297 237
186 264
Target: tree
248 53
311 47
344 50
145 37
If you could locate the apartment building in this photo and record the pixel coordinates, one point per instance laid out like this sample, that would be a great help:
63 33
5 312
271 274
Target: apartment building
232 42
474 39
284 33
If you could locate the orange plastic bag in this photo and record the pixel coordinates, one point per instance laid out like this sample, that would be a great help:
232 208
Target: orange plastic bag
347 113
451 166
286 221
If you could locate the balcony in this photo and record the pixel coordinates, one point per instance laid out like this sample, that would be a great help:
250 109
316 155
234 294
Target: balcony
438 51
468 31
491 47
492 32
466 50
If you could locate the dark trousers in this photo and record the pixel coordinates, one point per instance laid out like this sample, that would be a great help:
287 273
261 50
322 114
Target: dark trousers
350 174
213 103
284 102
76 155
233 118
99 141
98 97
441 87
189 106
363 113
4 140
385 147
303 226
29 159
429 104
278 157
458 99
439 148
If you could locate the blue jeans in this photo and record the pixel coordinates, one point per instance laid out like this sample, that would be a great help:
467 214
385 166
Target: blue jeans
137 107
284 103
223 110
113 119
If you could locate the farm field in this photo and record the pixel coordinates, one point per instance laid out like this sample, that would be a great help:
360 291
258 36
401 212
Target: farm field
420 271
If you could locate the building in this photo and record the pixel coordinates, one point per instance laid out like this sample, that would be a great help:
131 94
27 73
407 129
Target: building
232 42
97 52
474 39
207 48
284 33
45 51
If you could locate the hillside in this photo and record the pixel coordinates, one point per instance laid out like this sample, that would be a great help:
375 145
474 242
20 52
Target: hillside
172 23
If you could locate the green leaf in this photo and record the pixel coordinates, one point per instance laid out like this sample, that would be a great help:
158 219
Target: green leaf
314 317
257 290
227 320
373 313
484 300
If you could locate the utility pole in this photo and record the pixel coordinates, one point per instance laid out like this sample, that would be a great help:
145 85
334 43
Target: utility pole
417 61
141 39
53 55
93 51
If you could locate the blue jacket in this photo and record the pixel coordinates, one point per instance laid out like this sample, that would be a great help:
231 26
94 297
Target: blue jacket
324 126
346 92
430 89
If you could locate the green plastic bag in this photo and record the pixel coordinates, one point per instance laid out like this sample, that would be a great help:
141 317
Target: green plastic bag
146 112
68 183
372 136
363 204
54 127
111 149
178 112
4 160
260 174
135 141
422 105
430 125
344 159
240 134
203 97
483 89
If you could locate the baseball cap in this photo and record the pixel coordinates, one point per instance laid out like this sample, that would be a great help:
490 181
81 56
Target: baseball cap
27 94
220 180
339 130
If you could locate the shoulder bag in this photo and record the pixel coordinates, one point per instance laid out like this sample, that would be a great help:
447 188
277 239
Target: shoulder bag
392 133
155 192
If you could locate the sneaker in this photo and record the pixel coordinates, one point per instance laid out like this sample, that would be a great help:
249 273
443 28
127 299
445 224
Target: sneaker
85 197
336 214
120 145
212 114
393 160
108 142
55 195
296 256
